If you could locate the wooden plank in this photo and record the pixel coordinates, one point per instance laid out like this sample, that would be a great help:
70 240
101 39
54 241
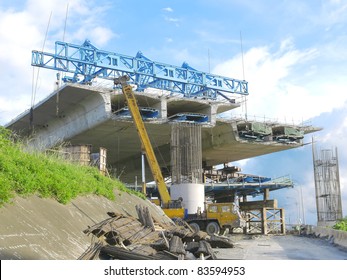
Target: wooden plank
128 224
123 254
103 160
160 245
124 221
151 237
144 249
283 224
128 231
263 221
92 253
145 216
140 214
100 228
148 218
141 235
259 204
176 245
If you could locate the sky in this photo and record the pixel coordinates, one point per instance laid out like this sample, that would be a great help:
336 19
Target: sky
292 53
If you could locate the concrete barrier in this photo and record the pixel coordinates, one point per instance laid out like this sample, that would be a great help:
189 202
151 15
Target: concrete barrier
337 237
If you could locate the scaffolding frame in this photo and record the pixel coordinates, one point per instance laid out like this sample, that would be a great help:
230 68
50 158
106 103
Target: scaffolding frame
265 221
327 185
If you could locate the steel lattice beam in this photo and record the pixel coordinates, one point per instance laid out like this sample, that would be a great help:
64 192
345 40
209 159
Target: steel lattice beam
87 62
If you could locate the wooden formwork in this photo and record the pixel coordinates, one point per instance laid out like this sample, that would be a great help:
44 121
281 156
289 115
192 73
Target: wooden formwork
81 154
77 153
265 221
102 161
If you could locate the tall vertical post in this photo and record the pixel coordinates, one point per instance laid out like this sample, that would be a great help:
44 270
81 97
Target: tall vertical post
266 194
143 168
327 186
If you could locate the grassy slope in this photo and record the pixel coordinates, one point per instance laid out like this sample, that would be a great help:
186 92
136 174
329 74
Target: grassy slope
47 176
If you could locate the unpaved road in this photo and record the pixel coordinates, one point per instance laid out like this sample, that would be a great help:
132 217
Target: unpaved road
277 247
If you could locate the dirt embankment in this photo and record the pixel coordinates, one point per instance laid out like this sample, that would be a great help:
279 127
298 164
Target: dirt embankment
36 228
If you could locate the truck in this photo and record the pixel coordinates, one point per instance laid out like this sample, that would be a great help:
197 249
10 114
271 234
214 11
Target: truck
217 218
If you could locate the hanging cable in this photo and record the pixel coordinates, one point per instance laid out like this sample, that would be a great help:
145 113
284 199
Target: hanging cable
38 70
243 72
34 87
59 74
31 114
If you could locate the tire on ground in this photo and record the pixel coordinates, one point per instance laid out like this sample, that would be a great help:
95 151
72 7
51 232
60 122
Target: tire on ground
212 228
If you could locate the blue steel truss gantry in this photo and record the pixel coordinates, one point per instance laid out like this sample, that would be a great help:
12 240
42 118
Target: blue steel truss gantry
86 62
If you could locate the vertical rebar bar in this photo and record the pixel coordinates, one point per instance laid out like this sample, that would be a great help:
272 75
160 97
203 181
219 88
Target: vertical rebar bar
186 153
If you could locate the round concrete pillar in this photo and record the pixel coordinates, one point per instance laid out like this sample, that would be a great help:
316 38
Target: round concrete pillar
193 196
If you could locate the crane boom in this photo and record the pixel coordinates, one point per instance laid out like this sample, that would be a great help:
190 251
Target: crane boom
145 141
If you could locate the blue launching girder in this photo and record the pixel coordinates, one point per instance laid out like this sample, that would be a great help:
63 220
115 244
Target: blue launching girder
87 62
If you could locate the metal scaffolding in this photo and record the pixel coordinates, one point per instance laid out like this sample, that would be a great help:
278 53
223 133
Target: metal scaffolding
327 184
186 155
87 62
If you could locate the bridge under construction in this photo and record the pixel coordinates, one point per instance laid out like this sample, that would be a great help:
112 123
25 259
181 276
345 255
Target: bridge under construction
184 111
85 111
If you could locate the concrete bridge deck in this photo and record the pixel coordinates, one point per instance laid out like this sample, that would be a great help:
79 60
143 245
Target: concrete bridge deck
82 114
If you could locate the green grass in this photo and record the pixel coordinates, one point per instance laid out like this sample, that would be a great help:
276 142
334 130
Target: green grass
23 173
341 225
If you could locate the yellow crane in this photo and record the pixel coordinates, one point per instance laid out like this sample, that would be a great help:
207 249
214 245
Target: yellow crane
172 208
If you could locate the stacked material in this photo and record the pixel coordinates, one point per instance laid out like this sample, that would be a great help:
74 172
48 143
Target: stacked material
128 238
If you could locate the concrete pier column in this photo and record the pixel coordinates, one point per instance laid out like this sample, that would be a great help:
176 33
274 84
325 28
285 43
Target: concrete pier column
193 196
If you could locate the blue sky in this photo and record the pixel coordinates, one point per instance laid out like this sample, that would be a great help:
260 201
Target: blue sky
294 58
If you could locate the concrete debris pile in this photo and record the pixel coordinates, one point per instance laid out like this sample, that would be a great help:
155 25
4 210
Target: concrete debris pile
127 238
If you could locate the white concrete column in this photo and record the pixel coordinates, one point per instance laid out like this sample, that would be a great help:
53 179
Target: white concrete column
193 196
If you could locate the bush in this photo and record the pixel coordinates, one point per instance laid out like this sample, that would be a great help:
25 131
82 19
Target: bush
341 225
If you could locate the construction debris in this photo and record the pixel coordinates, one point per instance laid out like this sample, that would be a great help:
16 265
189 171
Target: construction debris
128 238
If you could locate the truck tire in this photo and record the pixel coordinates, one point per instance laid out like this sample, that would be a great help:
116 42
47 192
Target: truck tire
212 228
195 227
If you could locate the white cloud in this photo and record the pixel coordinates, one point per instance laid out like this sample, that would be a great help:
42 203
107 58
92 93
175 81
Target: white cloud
334 11
171 19
174 20
22 31
98 35
168 9
285 84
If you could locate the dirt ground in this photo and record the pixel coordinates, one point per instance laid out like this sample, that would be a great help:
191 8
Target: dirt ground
281 247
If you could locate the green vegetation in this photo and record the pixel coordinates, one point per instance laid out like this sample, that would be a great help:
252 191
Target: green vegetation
23 173
341 225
